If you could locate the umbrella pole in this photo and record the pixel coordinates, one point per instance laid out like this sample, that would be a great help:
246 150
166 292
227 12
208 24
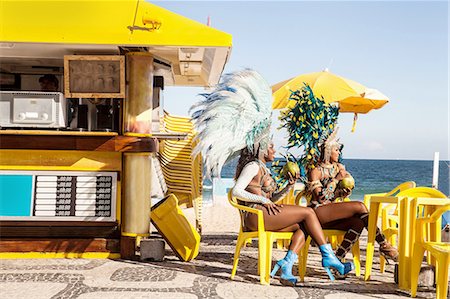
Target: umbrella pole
355 118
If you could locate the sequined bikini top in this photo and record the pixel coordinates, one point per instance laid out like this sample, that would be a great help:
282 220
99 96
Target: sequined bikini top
269 189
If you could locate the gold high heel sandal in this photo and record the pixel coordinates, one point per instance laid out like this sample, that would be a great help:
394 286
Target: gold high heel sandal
389 252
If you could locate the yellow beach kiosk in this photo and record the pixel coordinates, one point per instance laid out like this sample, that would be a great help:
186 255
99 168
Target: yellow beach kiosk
80 119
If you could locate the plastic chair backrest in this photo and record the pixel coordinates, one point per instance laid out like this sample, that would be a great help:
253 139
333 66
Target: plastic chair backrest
394 192
241 208
420 236
438 213
402 187
422 192
233 201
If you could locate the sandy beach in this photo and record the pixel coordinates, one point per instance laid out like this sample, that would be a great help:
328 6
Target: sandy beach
220 217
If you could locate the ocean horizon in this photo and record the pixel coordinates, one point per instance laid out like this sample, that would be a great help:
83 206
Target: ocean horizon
371 175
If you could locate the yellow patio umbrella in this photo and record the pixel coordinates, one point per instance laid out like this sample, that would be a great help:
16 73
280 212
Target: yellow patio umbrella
369 100
350 95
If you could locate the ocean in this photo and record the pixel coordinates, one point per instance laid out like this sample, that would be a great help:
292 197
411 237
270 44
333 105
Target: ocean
371 176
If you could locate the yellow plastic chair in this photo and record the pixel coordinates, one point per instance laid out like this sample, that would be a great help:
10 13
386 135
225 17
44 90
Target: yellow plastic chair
393 192
440 250
334 236
289 199
265 241
407 237
389 216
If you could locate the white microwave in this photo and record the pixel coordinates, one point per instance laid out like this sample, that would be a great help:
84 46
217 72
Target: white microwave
32 109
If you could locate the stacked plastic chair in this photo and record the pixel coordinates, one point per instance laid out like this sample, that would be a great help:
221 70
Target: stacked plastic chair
182 173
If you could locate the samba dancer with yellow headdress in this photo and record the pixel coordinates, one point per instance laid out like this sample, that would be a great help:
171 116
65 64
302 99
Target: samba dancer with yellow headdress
311 125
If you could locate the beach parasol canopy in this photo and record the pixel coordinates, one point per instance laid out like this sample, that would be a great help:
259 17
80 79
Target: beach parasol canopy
351 96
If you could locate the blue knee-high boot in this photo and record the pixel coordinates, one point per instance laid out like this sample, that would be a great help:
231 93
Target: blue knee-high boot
329 260
286 264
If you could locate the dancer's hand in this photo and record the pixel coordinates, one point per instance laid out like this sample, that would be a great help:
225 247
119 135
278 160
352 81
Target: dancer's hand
345 192
272 209
341 174
293 179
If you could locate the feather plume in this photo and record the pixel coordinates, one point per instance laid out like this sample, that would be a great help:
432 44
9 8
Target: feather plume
309 123
237 114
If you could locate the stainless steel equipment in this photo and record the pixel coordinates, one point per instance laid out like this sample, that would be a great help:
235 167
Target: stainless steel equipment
32 109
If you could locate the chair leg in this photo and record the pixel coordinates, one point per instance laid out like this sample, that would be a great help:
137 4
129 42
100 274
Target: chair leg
304 258
239 243
442 276
269 245
280 244
262 258
356 258
393 237
382 259
382 264
334 242
430 259
415 267
435 235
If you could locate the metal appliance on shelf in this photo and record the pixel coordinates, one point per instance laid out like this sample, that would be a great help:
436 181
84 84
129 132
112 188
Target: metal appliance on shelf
32 109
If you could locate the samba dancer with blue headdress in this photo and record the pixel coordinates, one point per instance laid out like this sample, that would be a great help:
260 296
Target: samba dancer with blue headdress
234 120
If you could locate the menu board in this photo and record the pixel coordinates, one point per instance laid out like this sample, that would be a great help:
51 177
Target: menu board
65 195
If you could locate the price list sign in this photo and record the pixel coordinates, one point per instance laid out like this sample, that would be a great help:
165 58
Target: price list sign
74 195
93 196
53 195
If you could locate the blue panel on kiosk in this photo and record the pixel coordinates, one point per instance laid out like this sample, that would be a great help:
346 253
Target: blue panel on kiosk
15 195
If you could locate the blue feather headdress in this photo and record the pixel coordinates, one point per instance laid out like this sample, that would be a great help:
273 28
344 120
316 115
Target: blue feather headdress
237 114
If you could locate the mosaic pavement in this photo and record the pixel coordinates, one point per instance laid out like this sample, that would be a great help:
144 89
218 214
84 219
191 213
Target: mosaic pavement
205 277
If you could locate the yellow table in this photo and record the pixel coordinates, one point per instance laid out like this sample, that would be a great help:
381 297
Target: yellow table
407 219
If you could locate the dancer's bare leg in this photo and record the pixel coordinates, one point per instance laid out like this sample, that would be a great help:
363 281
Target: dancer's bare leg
340 210
288 216
297 241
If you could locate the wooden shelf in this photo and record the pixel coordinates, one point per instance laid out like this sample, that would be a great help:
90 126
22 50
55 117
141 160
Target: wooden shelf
56 133
105 141
170 136
85 141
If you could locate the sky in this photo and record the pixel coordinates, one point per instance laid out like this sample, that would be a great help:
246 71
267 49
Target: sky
400 48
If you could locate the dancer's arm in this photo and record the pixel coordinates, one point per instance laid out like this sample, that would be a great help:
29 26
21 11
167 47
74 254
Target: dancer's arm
321 193
247 174
282 193
343 173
